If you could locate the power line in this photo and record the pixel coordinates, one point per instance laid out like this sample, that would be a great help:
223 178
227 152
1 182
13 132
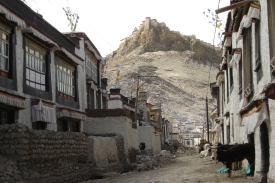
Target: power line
38 7
93 27
65 27
101 36
35 2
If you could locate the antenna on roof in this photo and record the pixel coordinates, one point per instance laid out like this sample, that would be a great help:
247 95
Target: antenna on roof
72 17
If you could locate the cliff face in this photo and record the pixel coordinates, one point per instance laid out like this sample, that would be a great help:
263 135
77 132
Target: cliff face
184 66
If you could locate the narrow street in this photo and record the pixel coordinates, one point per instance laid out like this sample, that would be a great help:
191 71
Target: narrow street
185 168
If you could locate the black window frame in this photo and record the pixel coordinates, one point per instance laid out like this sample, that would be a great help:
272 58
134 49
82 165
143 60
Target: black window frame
47 94
247 63
90 97
258 63
10 82
271 23
240 70
59 99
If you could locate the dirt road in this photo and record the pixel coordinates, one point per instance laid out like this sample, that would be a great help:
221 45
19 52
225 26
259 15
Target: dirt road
185 168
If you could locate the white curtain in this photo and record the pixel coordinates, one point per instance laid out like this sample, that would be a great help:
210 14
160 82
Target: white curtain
43 113
254 117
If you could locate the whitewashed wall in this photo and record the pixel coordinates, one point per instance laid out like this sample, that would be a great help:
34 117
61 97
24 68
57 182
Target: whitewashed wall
120 125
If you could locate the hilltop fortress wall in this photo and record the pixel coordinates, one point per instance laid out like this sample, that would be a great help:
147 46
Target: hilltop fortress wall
149 23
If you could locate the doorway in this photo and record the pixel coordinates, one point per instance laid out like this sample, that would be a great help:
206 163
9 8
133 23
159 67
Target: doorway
264 151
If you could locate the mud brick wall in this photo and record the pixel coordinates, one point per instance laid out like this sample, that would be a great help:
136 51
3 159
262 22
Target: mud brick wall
121 152
108 112
45 156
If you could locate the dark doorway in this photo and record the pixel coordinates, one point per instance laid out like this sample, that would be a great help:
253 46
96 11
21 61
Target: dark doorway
228 133
264 151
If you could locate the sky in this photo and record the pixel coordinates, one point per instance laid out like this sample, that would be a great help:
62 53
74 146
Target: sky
106 22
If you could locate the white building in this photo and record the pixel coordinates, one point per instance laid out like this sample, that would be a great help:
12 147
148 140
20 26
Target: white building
245 81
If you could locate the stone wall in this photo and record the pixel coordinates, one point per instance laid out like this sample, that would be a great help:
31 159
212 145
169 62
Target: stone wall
9 171
45 156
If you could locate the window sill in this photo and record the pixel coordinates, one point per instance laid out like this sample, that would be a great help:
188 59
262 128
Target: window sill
4 74
66 96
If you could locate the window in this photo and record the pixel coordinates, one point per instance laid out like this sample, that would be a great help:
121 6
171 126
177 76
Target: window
7 116
39 125
62 125
229 57
258 63
35 65
241 79
228 133
3 117
247 64
4 47
231 79
65 79
271 23
90 97
74 126
91 66
68 126
227 86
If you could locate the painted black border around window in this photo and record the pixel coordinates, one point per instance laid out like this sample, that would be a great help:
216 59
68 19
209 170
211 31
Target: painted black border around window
11 81
258 63
47 95
62 100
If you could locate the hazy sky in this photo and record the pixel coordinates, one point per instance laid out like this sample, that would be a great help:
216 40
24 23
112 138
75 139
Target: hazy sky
106 22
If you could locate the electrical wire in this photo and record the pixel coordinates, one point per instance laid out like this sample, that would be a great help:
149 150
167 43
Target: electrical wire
95 43
35 2
92 27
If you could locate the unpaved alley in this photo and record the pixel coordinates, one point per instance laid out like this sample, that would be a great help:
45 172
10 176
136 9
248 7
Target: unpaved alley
185 168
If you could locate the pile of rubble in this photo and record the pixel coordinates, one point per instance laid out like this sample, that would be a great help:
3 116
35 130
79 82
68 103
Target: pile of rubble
188 150
151 162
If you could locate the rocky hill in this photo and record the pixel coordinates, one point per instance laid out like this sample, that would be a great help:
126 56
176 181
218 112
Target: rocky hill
182 64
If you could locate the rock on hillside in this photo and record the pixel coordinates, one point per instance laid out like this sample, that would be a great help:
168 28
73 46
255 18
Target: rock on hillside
153 36
183 65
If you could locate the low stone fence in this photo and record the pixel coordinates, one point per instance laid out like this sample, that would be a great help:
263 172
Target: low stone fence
9 171
45 156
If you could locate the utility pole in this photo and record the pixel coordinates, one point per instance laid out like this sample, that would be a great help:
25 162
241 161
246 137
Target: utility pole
207 122
136 101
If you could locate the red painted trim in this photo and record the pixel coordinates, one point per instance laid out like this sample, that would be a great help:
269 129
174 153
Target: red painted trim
4 74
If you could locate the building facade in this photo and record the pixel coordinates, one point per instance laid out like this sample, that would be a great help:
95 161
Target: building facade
47 79
245 81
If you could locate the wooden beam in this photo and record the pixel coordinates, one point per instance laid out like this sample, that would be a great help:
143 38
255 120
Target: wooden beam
233 6
227 33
